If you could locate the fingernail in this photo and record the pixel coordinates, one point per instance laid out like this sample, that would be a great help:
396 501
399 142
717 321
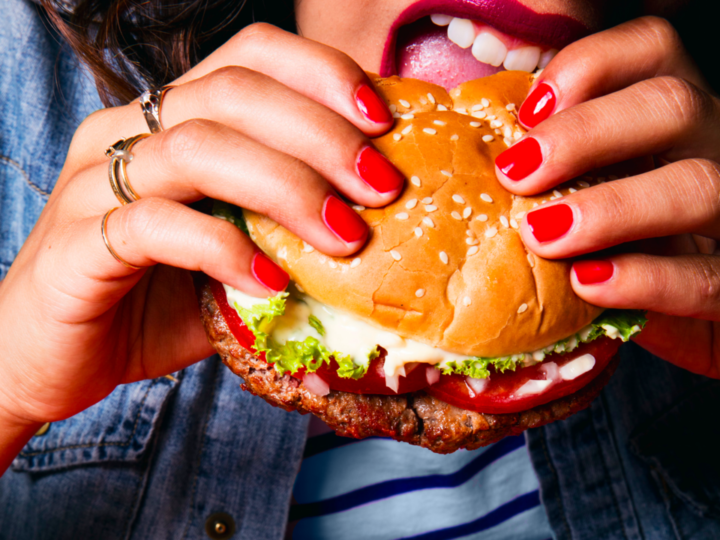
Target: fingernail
377 171
592 272
520 160
372 106
343 220
550 223
538 106
268 273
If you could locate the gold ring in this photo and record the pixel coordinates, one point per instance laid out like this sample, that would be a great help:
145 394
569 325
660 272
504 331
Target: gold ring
120 155
103 230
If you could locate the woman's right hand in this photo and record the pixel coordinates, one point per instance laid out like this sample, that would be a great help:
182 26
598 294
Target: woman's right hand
271 122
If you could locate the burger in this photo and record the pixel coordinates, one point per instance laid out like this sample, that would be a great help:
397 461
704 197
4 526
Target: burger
444 331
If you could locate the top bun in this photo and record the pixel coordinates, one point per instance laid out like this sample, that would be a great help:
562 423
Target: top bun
453 273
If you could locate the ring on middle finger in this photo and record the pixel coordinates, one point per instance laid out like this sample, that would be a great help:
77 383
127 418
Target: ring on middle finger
120 155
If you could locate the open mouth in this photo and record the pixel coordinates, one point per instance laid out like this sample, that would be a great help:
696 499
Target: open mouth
448 43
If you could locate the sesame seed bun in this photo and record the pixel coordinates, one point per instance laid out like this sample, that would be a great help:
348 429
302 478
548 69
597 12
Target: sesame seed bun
445 264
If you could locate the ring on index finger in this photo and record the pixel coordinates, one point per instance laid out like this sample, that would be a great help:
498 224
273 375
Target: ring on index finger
151 105
120 155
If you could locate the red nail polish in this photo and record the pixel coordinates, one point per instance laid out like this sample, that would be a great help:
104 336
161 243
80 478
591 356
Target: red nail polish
343 220
550 223
378 172
520 160
592 272
268 273
538 106
372 105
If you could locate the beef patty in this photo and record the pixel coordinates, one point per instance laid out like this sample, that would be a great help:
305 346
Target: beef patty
416 418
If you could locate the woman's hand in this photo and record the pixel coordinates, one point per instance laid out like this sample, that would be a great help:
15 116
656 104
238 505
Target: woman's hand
271 122
629 92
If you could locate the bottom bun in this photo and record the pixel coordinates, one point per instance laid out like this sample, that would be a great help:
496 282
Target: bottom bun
415 418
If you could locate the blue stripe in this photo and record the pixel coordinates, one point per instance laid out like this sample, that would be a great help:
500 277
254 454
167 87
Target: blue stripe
496 517
384 490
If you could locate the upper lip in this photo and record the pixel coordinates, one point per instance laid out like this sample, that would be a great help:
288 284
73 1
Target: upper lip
508 16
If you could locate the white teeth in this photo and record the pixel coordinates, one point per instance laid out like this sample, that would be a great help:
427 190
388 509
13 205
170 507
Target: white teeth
546 57
488 49
522 59
441 20
461 32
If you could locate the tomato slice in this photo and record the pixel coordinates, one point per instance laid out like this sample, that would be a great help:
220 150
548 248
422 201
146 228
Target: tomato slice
499 394
236 325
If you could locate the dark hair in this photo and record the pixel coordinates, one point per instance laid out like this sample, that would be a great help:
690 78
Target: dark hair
132 45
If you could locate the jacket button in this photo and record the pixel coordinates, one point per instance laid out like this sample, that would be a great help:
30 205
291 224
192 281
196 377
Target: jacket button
43 430
220 526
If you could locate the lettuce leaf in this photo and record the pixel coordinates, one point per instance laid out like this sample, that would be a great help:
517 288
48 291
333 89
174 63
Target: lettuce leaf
230 212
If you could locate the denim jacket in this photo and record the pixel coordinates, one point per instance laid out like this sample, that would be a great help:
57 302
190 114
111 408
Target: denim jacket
161 458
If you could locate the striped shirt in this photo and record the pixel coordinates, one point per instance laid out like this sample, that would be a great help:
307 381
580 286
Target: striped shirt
381 489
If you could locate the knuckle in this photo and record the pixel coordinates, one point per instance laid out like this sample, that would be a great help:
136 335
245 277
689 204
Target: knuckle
708 286
703 175
223 86
256 35
183 142
681 98
661 33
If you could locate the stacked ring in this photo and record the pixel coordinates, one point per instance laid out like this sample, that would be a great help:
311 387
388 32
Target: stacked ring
120 155
103 230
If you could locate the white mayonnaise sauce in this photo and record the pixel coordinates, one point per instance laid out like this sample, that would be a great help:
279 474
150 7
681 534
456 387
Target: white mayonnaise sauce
344 333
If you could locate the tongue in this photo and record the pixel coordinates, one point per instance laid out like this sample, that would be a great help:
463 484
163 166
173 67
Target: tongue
424 52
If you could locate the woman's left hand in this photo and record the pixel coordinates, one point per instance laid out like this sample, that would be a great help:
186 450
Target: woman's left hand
629 92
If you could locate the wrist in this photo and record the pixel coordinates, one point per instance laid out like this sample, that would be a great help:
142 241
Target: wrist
14 434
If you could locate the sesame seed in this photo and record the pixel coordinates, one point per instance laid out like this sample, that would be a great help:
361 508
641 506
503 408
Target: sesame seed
490 232
393 108
507 132
299 288
407 130
415 181
307 248
520 215
582 183
418 232
531 260
438 122
402 216
469 232
472 251
572 190
429 222
404 103
355 262
420 293
412 203
444 257
427 200
458 199
395 255
430 207
517 135
467 301
471 241
491 117
508 142
485 102
467 212
485 197
423 101
461 111
431 97
358 208
456 215
454 137
535 205
504 221
396 115
333 264
496 123
488 138
397 136
475 124
479 115
522 308
407 116
510 106
557 193
482 217
430 131
446 173
543 201
477 107
441 107
514 224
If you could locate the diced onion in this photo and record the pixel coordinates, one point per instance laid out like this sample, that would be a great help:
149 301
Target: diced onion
477 385
550 369
432 374
575 368
315 384
393 382
533 387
